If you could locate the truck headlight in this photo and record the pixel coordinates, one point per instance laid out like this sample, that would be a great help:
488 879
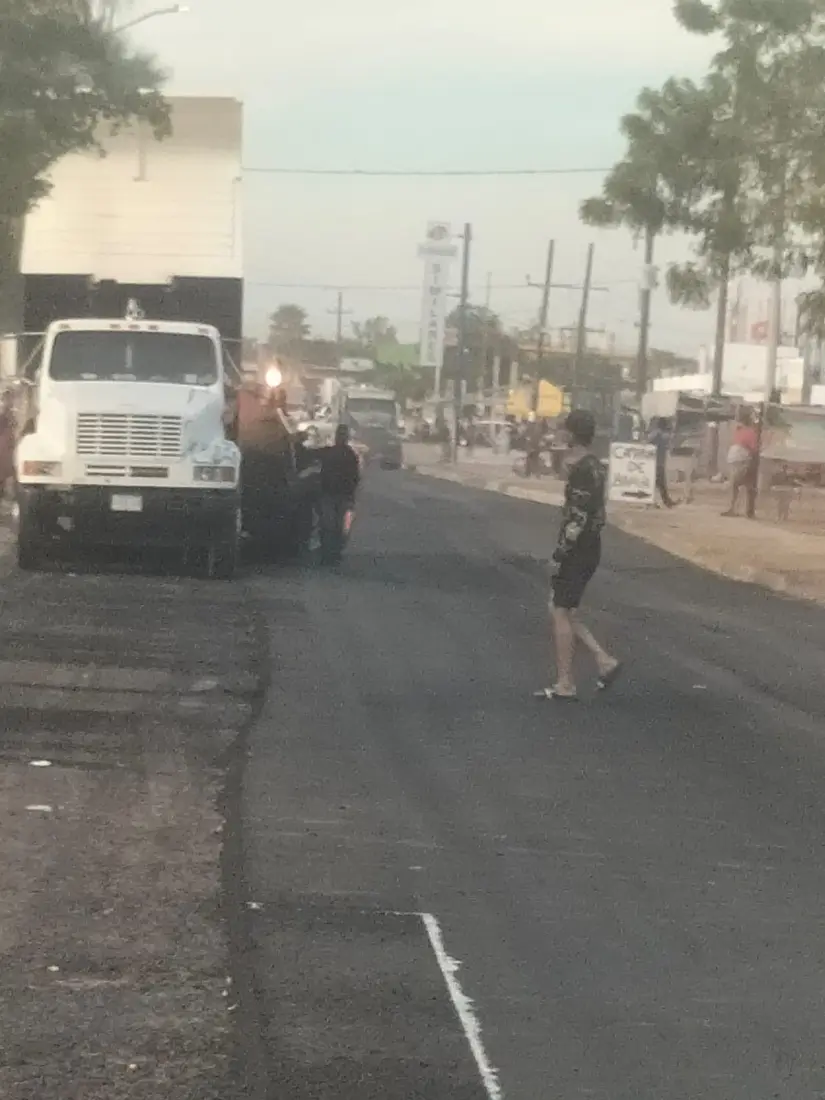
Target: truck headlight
225 475
33 468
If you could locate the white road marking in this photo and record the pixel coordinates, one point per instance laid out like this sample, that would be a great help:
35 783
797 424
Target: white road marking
465 1010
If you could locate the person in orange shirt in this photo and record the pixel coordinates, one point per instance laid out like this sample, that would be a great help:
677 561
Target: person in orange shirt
742 459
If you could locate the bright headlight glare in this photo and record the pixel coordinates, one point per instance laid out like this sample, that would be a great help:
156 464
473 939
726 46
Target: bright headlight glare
274 378
34 468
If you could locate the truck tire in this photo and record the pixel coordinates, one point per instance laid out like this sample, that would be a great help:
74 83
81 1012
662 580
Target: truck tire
222 560
296 538
30 550
223 552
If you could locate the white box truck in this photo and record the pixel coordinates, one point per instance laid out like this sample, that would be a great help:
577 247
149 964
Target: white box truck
133 306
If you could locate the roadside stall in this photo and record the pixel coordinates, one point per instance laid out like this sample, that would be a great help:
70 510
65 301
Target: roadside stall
695 420
792 456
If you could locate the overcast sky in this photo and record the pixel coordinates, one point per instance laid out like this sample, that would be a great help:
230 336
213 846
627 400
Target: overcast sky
432 84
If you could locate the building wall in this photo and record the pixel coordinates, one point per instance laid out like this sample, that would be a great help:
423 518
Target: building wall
743 373
147 211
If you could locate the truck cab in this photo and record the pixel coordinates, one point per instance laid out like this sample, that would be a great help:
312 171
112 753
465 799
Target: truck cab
374 420
128 443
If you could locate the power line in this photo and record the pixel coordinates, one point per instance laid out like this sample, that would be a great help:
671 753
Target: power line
416 287
411 173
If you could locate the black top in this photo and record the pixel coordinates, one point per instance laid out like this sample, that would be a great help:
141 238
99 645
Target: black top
340 470
583 516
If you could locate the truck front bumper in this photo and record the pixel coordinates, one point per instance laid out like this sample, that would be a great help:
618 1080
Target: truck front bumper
167 518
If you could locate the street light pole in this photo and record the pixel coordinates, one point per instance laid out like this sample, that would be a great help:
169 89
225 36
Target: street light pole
462 334
173 9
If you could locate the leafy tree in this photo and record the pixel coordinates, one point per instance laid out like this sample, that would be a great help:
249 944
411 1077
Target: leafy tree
762 147
64 75
288 328
485 338
374 332
481 326
650 190
407 383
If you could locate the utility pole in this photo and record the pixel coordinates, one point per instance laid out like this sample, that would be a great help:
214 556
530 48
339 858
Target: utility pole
485 332
810 363
581 335
543 312
462 333
774 331
339 313
771 359
648 281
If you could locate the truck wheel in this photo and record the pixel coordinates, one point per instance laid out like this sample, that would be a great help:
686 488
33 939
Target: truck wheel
30 556
297 536
222 560
30 552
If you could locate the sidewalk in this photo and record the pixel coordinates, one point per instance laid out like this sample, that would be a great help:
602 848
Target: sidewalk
788 558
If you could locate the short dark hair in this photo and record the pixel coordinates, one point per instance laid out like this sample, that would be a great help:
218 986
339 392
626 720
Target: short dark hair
582 426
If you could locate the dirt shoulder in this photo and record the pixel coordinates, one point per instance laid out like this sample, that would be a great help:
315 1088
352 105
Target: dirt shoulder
120 698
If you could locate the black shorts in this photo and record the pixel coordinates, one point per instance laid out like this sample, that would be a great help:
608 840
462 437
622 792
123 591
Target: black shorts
575 573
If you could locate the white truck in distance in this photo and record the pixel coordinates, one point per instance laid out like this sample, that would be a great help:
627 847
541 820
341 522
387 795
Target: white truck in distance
128 446
373 416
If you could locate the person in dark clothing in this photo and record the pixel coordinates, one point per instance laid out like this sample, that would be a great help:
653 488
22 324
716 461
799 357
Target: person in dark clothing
661 438
576 557
340 477
340 468
532 463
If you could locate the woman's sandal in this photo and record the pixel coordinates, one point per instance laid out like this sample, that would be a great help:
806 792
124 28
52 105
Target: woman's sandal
551 693
608 679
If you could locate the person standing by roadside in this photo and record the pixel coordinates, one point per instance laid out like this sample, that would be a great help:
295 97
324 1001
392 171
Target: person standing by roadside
743 462
576 558
340 477
661 437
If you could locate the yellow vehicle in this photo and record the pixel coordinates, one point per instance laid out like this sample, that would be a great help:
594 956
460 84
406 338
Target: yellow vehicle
551 401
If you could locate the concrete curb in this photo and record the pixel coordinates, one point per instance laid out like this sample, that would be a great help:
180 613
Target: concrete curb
797 583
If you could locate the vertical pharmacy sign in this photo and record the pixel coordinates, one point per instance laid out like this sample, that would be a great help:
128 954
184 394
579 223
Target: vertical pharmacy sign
437 251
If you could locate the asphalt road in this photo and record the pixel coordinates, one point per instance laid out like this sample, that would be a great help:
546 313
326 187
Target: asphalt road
632 886
122 695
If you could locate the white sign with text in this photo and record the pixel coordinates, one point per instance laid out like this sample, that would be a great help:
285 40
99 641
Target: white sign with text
437 253
632 474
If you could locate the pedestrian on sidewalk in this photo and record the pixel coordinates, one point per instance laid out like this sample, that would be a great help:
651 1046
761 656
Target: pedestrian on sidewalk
577 557
744 463
661 437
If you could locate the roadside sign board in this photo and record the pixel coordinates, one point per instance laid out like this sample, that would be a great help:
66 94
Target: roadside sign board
632 473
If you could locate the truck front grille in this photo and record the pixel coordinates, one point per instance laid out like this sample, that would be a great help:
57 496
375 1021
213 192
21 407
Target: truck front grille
129 435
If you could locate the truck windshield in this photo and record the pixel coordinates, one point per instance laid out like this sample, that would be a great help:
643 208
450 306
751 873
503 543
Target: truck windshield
372 411
173 357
